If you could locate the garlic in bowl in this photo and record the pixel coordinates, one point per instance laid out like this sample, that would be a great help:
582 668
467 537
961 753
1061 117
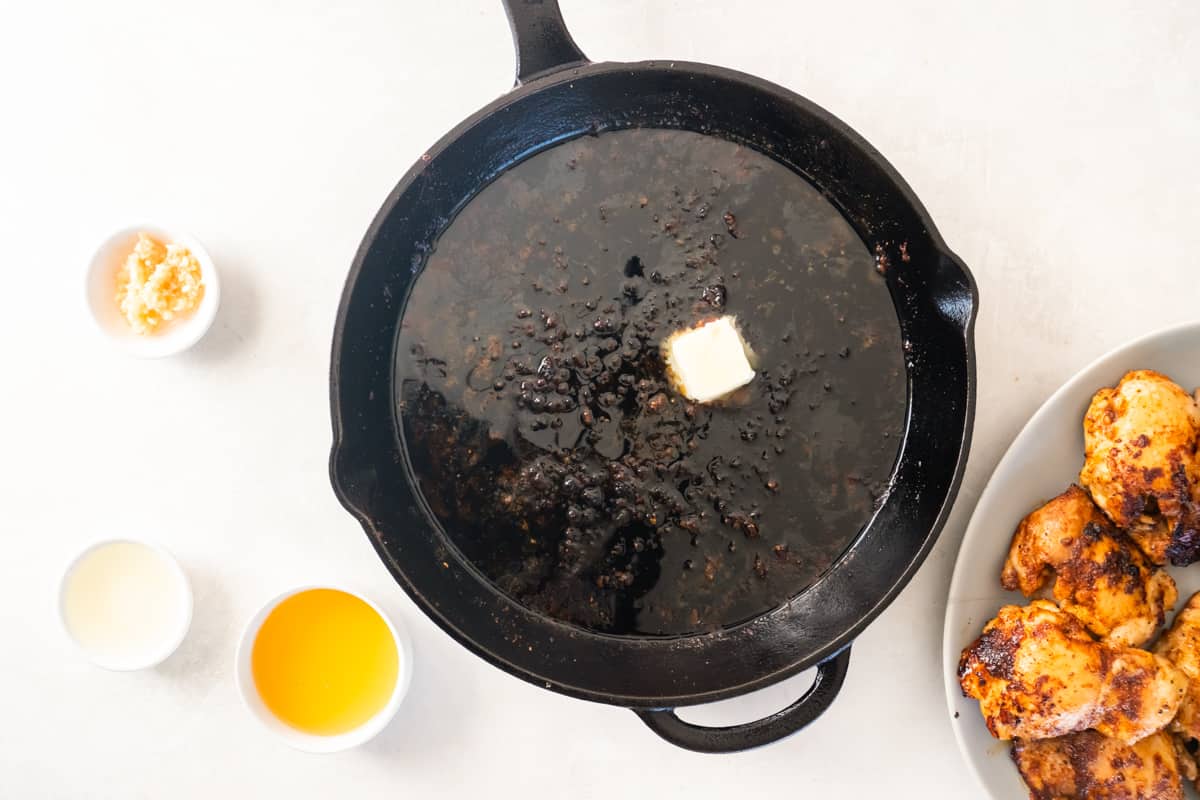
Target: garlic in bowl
152 291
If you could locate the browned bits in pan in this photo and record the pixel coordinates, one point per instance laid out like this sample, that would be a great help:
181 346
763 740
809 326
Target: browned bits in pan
569 470
731 224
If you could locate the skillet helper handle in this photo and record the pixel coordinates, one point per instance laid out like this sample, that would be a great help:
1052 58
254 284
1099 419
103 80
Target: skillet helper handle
831 673
541 38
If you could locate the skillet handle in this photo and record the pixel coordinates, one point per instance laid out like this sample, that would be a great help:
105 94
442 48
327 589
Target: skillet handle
831 673
541 38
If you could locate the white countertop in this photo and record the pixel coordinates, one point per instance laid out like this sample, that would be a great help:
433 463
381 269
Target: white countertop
1056 146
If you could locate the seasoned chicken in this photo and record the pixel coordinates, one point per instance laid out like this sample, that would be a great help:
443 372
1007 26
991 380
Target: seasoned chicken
1100 576
1140 463
1181 646
1037 674
1088 766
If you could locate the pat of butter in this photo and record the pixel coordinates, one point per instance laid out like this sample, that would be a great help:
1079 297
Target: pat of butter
709 361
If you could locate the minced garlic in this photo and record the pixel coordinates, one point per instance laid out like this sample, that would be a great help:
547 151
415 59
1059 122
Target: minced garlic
158 283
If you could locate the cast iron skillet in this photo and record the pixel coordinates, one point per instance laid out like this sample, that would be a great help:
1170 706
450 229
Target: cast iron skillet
560 95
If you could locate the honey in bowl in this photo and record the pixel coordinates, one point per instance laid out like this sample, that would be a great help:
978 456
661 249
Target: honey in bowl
324 662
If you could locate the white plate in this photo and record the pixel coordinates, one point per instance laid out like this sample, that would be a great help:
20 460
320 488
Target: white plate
1041 462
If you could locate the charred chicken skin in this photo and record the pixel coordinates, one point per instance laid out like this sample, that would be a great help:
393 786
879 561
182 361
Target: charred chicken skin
1140 464
1089 766
1100 575
1037 674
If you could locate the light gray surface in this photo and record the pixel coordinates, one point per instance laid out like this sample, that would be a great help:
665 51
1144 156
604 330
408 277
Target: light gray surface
1053 143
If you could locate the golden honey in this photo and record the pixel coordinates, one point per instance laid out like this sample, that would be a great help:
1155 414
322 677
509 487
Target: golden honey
324 662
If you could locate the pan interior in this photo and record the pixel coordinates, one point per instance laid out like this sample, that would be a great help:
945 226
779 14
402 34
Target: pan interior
541 427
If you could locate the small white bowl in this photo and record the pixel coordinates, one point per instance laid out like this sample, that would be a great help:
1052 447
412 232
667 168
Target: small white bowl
171 638
101 291
309 742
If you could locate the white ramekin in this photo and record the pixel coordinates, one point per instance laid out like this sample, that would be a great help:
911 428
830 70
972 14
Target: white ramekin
309 742
169 644
101 291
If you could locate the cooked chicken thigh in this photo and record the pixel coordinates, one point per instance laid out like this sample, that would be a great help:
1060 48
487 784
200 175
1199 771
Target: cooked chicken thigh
1181 646
1140 464
1037 674
1088 766
1100 576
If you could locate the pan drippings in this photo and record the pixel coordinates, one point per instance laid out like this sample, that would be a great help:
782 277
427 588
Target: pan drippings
542 429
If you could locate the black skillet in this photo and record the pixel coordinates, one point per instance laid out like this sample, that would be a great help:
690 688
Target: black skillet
559 95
